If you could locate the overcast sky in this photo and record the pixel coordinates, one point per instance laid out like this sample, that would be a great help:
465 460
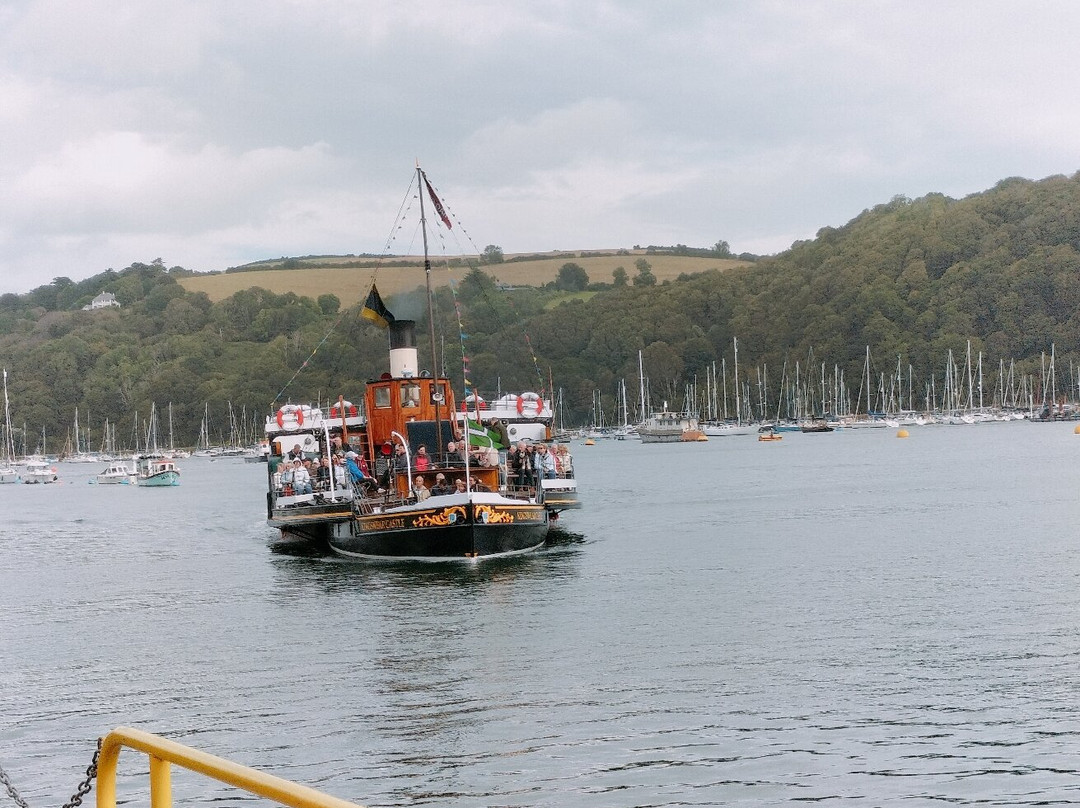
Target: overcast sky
210 134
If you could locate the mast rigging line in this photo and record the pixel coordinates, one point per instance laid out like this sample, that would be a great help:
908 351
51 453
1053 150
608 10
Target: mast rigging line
403 208
475 250
413 196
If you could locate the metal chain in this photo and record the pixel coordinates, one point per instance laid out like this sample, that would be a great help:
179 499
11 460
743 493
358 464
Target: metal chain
11 789
76 799
84 786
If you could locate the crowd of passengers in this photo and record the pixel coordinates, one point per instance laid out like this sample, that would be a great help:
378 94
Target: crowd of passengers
525 463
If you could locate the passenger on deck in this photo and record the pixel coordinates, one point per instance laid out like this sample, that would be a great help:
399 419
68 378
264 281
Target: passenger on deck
401 460
286 478
453 457
440 488
485 456
459 485
296 453
477 485
301 478
341 473
564 463
420 489
520 465
422 460
355 473
361 461
545 462
322 475
534 464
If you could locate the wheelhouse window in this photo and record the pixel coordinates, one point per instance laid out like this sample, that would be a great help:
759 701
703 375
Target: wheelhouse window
382 397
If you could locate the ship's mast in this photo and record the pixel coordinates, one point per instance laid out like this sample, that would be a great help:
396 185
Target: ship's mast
421 181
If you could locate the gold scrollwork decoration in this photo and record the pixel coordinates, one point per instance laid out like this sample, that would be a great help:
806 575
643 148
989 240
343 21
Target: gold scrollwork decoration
490 516
447 516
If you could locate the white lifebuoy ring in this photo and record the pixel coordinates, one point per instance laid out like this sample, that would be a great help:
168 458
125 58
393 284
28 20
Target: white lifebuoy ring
290 417
346 410
526 399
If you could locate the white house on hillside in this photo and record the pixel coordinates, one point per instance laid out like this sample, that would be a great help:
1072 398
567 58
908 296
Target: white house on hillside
103 301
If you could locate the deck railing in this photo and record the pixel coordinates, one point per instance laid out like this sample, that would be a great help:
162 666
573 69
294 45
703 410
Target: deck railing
163 752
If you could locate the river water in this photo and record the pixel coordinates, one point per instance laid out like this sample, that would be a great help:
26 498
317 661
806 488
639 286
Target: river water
844 618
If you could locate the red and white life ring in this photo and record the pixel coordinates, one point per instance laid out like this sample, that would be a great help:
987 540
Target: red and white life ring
290 417
530 405
350 410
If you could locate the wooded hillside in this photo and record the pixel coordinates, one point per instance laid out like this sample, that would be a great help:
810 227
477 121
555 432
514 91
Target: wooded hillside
910 279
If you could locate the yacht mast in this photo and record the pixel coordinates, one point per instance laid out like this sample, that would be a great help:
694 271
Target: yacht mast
9 434
738 409
642 415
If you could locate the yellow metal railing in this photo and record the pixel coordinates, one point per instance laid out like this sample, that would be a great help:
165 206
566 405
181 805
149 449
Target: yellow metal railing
163 752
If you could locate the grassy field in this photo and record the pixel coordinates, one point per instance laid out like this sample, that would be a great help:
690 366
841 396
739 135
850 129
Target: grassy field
351 284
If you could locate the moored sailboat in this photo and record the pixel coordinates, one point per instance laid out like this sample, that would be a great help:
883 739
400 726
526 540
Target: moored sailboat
8 472
154 469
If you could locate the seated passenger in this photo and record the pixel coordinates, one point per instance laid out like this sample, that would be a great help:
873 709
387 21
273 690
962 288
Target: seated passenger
453 458
545 462
285 477
401 460
422 460
322 474
487 456
301 478
355 473
420 489
440 488
340 472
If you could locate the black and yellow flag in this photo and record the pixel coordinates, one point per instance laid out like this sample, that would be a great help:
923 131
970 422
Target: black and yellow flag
375 310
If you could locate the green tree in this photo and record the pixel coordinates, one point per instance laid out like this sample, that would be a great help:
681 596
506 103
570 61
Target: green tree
492 254
644 275
329 303
572 278
619 277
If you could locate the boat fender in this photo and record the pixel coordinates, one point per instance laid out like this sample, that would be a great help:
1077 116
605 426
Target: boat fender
290 417
530 401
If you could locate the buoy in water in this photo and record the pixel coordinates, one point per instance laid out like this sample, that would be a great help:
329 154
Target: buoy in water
590 442
1076 429
902 433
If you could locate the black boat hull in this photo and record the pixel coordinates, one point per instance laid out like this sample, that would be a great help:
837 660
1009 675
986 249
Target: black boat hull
312 524
443 531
